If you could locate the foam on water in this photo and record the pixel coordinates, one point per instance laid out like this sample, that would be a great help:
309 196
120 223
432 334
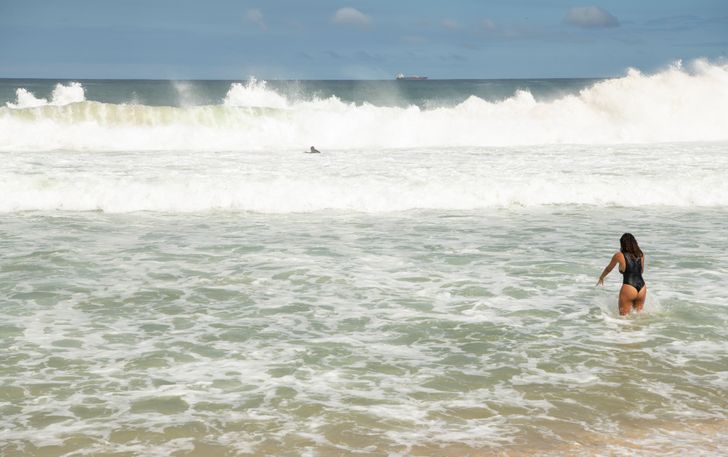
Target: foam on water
681 175
62 95
476 331
254 95
677 104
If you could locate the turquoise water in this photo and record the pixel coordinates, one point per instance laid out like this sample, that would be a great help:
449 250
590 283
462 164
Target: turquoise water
340 333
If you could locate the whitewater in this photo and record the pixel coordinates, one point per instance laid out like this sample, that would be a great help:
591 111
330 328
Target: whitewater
675 105
244 153
178 278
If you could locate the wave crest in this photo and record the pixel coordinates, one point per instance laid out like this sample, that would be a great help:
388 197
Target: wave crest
62 95
254 94
673 105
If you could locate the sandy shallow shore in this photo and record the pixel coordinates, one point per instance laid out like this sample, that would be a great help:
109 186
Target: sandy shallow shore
705 438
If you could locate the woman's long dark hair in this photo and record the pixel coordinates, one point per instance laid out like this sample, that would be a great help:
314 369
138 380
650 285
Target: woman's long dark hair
628 245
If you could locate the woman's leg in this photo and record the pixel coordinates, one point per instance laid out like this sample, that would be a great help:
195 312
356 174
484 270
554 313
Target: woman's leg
627 297
641 297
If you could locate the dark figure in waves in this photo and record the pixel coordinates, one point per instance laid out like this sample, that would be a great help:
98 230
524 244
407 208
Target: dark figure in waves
631 262
312 151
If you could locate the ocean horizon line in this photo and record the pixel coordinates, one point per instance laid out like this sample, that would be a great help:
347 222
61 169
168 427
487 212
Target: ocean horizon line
532 78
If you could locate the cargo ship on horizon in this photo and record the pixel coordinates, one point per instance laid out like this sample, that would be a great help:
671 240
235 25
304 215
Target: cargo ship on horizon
402 77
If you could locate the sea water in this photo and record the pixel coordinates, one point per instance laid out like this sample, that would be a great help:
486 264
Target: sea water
178 278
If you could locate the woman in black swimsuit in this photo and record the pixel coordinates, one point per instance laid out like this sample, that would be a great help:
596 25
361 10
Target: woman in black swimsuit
631 264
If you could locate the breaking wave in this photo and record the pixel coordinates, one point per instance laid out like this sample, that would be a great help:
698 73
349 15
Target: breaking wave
62 95
675 105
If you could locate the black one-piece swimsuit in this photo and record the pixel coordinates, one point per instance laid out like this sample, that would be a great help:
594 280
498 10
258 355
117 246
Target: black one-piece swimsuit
632 275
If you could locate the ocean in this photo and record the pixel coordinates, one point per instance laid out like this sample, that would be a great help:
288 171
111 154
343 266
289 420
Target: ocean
178 278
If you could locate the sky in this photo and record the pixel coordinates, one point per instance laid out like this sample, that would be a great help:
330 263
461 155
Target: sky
372 39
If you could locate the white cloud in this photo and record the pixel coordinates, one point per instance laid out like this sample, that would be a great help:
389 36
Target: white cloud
590 17
352 16
450 24
488 25
255 16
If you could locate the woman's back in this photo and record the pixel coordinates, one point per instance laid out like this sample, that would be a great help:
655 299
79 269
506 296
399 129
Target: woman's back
632 273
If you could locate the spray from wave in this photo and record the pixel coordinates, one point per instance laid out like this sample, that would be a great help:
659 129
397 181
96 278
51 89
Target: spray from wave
254 94
675 105
62 95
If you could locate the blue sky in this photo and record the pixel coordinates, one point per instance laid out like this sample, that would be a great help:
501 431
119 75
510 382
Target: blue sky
374 39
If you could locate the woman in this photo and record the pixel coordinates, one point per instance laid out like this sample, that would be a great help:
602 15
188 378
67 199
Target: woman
631 262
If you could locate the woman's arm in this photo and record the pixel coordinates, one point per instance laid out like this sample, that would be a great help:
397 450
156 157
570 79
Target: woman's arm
643 263
608 268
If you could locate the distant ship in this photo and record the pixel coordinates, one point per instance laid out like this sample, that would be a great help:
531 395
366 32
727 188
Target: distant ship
401 77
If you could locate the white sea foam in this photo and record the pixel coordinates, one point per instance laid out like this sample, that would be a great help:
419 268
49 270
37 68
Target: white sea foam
26 99
127 332
676 104
679 176
71 93
62 95
254 94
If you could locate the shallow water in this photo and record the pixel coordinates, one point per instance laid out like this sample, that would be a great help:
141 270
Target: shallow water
329 332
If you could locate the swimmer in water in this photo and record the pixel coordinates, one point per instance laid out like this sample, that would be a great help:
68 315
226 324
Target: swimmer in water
312 151
631 262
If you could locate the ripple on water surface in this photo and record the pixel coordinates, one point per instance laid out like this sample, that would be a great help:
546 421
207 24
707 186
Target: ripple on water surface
409 333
